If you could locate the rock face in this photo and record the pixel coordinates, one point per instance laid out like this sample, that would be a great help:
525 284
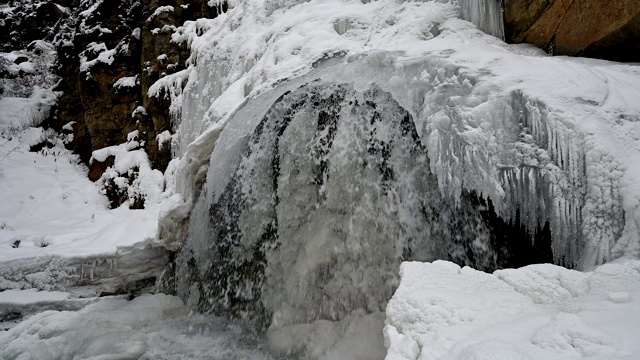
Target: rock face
592 28
29 21
109 57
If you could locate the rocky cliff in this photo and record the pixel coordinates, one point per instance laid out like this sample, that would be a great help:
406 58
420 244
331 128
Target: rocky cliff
109 53
109 57
592 28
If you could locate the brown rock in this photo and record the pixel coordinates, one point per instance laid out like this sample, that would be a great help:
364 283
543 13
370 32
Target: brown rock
593 28
97 168
103 114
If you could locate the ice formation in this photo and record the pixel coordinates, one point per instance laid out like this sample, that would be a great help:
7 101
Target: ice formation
485 14
148 327
326 149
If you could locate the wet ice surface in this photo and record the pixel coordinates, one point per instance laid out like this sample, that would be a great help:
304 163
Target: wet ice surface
148 327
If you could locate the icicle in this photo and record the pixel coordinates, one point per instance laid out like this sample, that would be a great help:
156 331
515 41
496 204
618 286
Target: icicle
485 14
91 269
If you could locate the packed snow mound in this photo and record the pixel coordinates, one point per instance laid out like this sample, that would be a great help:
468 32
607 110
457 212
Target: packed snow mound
442 311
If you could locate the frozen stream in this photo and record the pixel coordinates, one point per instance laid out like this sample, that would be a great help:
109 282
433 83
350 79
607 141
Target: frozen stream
148 327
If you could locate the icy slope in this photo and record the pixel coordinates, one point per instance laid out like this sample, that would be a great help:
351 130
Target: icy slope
442 311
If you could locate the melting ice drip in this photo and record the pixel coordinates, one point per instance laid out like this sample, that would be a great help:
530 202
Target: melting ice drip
333 192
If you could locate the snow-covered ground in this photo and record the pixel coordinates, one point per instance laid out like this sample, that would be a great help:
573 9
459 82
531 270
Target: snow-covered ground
442 311
56 230
49 210
48 205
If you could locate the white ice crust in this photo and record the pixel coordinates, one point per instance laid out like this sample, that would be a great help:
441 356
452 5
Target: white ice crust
442 311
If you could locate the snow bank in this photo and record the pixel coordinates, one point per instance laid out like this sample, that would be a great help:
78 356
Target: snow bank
131 161
49 207
24 297
442 311
17 114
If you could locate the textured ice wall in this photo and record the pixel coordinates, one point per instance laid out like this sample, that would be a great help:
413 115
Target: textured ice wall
331 193
487 15
301 202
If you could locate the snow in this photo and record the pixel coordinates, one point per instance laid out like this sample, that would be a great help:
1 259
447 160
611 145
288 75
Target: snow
63 9
37 188
129 81
31 296
100 54
619 297
160 10
139 110
163 138
129 157
442 311
46 198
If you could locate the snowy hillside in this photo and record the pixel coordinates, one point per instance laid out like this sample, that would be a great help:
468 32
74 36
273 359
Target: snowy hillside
332 159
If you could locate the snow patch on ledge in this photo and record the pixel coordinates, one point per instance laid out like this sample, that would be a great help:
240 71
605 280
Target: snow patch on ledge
537 312
160 10
104 55
127 82
31 296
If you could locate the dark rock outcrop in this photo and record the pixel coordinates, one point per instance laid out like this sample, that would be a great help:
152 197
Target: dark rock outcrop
30 21
592 28
109 58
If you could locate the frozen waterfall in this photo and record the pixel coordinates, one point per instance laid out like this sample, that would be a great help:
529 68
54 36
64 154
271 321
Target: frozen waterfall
305 181
318 189
485 14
